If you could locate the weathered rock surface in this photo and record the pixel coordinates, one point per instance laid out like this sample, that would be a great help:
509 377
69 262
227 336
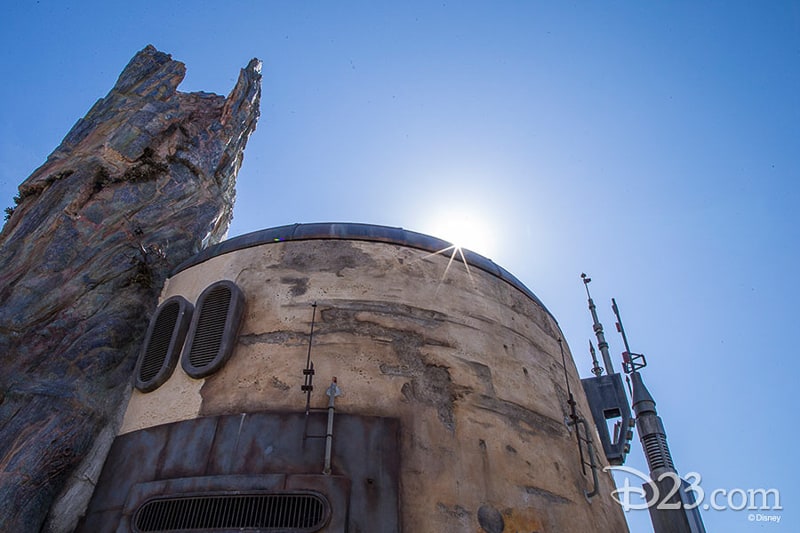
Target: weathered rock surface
137 186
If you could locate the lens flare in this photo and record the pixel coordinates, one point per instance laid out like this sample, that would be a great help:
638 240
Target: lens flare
464 229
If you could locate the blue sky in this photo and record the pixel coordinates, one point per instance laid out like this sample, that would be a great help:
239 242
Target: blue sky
653 145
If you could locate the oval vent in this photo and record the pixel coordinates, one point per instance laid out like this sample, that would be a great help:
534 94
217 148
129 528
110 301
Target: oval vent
291 512
212 334
162 343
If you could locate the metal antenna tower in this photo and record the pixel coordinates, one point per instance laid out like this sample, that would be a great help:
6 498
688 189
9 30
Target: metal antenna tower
606 395
668 495
598 328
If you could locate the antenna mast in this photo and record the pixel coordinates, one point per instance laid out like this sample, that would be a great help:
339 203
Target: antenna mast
606 395
597 370
598 328
671 501
631 362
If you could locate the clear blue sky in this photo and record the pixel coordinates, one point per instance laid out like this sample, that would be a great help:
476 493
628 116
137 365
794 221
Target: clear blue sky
654 145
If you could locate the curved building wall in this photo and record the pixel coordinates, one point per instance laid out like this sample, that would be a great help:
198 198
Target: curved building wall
456 370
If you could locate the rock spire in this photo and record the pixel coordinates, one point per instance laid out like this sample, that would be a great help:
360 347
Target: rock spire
141 183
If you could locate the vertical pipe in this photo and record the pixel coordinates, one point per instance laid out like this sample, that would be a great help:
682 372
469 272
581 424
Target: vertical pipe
329 437
332 392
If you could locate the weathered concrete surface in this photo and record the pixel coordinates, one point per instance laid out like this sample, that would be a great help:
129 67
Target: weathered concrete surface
139 184
469 364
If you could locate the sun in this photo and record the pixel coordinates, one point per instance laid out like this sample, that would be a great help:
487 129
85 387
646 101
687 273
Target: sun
464 229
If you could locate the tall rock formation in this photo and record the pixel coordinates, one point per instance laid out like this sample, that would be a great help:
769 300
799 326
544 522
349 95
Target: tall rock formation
138 185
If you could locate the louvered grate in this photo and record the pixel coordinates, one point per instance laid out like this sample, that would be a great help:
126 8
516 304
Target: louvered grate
295 512
156 352
210 327
657 451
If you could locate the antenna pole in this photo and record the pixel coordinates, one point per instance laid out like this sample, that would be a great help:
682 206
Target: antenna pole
598 328
597 370
619 324
672 508
631 362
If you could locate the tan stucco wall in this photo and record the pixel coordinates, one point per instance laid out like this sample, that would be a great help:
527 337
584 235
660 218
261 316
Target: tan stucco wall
468 363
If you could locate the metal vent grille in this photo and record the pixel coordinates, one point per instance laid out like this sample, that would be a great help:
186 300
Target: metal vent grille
210 327
289 512
157 348
657 451
215 324
162 343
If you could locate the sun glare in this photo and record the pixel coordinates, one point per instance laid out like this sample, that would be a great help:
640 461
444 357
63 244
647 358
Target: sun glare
464 229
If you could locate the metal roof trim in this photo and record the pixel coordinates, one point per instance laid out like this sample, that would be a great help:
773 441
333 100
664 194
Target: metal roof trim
358 232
